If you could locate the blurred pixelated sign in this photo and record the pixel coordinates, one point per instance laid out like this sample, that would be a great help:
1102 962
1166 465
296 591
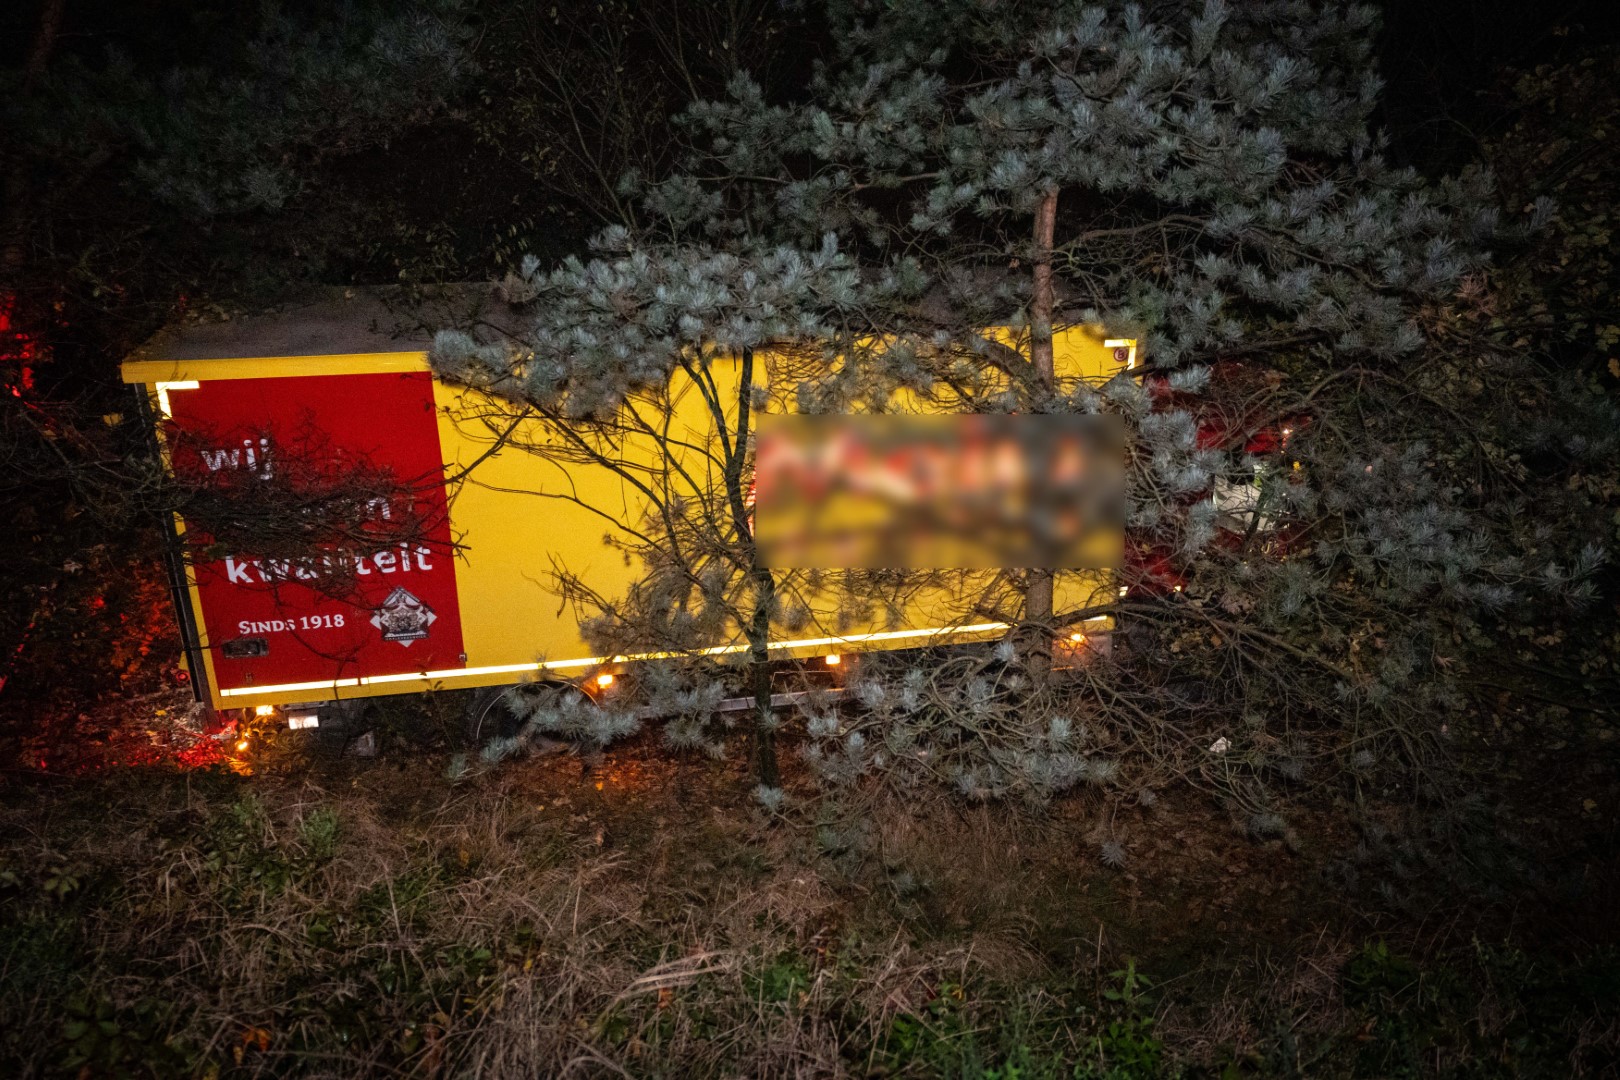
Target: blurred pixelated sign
953 491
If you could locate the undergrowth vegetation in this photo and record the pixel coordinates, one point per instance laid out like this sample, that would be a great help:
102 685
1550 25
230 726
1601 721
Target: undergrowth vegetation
376 920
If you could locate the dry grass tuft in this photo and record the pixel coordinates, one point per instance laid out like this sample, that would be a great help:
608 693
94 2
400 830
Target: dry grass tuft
381 922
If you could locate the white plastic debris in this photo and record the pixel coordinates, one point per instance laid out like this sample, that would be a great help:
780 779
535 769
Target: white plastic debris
1220 745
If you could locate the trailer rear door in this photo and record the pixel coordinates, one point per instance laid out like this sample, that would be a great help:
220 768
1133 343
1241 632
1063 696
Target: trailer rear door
354 609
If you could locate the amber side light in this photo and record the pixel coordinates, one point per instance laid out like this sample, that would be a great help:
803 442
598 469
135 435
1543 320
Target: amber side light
604 680
833 659
264 710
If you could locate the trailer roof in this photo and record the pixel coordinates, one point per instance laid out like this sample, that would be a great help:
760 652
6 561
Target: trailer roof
352 329
328 322
354 321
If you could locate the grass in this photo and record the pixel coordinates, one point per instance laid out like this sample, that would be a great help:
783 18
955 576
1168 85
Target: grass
640 919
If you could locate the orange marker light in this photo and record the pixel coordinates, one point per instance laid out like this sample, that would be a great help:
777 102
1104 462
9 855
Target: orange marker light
265 710
241 745
833 659
1078 639
604 680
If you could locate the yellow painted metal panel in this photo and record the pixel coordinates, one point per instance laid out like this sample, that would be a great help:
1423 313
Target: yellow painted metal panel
510 513
520 515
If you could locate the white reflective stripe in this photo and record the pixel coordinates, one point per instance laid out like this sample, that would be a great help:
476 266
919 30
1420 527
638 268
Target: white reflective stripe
163 389
591 661
282 688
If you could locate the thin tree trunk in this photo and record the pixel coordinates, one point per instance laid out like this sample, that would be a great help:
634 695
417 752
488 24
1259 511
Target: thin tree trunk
1041 302
758 630
759 659
44 43
16 194
1038 595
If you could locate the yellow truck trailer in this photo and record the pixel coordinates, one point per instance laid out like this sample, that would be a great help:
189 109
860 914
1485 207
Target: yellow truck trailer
466 601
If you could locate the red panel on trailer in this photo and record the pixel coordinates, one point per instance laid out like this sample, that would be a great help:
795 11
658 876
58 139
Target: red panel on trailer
354 610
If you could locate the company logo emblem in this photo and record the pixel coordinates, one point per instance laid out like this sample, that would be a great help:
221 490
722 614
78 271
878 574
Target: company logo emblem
403 618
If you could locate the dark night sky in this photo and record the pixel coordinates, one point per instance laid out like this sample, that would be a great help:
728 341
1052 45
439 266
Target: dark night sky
1438 56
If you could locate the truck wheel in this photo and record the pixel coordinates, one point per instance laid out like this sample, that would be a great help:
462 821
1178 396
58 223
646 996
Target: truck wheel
490 714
